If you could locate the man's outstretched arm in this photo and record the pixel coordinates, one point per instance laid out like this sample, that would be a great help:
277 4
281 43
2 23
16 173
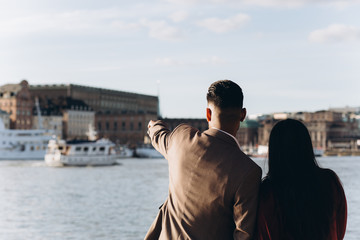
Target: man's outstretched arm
159 135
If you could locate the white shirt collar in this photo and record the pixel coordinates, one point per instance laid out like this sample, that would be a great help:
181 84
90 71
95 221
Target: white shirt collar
229 135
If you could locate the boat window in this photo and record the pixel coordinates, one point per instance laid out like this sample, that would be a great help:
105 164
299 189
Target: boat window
102 149
32 148
24 134
61 148
86 149
37 147
78 149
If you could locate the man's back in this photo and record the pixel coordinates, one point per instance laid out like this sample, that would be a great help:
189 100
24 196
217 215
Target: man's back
213 185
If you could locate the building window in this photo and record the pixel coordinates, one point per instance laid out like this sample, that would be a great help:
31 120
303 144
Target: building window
99 126
115 126
139 126
123 126
131 126
107 126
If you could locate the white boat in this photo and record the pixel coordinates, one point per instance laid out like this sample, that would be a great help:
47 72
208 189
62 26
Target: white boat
80 153
318 152
124 152
18 144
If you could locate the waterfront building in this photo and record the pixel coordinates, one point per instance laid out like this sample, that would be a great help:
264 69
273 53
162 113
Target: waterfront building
69 118
345 110
78 118
5 118
120 116
50 122
198 123
328 130
247 134
16 100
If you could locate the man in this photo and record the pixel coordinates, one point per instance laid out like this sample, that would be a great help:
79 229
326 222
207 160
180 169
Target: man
213 185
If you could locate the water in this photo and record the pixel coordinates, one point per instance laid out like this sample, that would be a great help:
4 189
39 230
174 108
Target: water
115 202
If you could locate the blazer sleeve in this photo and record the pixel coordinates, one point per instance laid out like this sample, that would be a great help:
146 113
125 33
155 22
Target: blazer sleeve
160 137
245 205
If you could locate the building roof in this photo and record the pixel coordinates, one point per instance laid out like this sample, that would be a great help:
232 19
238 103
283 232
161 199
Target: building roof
15 88
88 88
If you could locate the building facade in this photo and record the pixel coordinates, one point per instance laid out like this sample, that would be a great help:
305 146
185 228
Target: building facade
119 116
76 123
50 122
16 100
329 130
198 123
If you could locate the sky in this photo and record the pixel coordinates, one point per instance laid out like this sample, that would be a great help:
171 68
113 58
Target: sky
287 55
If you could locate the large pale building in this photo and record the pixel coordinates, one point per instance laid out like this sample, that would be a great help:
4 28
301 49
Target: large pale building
77 120
50 122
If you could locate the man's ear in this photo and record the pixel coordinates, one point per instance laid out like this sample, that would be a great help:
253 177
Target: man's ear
208 114
242 114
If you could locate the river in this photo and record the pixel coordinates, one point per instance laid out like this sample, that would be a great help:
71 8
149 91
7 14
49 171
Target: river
115 202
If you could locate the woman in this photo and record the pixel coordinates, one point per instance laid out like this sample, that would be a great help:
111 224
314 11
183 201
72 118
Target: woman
298 199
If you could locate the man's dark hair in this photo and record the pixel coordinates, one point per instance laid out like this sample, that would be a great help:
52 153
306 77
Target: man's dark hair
225 94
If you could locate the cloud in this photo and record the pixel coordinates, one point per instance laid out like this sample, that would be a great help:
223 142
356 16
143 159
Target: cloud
335 33
78 21
88 22
179 16
162 30
218 25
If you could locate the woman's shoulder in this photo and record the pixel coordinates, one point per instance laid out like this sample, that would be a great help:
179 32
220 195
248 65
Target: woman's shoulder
331 179
328 175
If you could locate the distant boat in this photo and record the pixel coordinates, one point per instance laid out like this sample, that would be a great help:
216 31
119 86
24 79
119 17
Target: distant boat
147 151
318 152
124 151
18 144
90 152
80 153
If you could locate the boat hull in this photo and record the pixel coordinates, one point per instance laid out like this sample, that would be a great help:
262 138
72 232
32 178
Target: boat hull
15 155
61 160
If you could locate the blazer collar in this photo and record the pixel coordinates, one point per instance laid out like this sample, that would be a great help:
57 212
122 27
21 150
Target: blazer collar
222 135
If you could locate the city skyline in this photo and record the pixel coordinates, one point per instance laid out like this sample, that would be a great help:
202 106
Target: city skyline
288 56
254 115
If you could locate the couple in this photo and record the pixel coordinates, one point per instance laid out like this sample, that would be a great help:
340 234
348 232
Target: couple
216 192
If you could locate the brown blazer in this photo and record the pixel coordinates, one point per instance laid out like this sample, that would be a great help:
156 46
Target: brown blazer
213 186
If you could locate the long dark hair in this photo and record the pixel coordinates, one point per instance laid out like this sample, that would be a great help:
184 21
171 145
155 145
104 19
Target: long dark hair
303 196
